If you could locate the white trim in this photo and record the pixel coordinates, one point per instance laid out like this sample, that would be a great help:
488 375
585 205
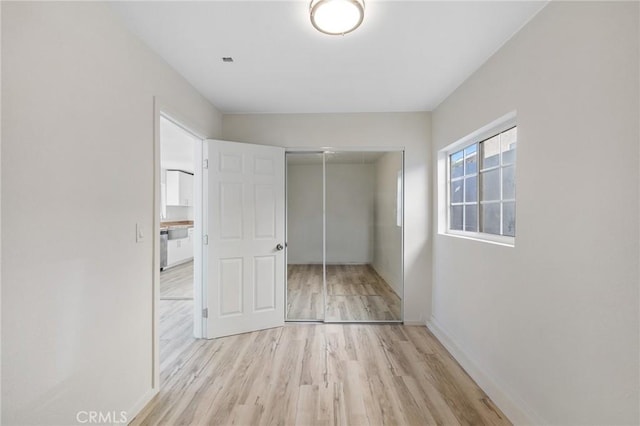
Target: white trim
157 209
501 240
179 120
162 109
137 408
324 149
516 409
403 259
1 226
166 112
324 238
199 302
399 198
499 125
205 231
444 180
286 236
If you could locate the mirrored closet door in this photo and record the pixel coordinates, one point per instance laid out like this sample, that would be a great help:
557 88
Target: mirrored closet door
305 237
345 236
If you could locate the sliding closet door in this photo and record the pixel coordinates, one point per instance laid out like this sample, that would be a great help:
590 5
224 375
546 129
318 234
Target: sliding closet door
305 232
363 236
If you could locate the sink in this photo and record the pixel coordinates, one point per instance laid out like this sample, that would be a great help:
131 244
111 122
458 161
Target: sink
178 233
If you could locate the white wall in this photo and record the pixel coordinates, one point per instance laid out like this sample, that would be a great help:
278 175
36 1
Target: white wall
177 147
550 327
349 218
350 206
387 256
77 175
304 213
410 130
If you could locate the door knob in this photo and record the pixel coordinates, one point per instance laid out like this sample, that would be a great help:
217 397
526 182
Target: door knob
279 247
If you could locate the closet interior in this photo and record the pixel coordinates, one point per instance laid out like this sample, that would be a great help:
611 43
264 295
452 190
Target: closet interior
345 236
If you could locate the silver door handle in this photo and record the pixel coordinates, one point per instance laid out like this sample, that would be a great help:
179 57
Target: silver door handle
279 247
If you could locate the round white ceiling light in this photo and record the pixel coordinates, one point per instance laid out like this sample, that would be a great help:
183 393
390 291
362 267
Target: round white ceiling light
336 17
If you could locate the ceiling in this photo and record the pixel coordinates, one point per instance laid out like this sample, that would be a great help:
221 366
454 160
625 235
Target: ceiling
406 56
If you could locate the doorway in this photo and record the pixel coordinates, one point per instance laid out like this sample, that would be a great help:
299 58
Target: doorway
180 201
344 236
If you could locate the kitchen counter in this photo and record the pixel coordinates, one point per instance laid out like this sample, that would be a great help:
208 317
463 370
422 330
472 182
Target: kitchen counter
177 242
176 224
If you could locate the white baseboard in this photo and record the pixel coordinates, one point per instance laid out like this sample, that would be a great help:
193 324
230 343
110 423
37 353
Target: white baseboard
142 402
512 406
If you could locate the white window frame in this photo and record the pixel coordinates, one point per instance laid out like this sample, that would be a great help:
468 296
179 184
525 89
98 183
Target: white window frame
444 187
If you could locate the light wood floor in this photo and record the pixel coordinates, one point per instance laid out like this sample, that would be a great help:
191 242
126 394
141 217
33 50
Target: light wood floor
312 374
176 332
354 293
177 282
176 313
305 298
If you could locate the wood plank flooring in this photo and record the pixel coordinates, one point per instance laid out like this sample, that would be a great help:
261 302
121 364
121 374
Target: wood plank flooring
354 293
311 374
305 298
358 293
177 282
308 374
176 314
176 331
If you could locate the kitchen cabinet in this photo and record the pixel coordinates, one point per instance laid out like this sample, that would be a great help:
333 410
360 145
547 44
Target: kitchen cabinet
189 250
179 187
180 250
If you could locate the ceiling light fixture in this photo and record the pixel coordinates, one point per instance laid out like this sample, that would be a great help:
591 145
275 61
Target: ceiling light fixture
336 17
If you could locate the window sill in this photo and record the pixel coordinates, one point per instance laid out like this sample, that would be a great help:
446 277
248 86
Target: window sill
499 240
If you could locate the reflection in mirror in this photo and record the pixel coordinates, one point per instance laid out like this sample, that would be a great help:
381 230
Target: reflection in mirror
363 236
305 274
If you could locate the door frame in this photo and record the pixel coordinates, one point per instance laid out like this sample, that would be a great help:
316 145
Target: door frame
335 149
163 109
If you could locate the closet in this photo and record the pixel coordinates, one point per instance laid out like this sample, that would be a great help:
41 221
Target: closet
344 236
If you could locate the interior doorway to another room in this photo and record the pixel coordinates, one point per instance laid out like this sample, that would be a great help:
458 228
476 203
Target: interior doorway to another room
345 236
179 205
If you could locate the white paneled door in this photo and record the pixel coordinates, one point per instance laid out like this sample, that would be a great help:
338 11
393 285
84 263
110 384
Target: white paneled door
244 223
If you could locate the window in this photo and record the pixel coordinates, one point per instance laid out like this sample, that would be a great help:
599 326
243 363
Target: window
481 182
